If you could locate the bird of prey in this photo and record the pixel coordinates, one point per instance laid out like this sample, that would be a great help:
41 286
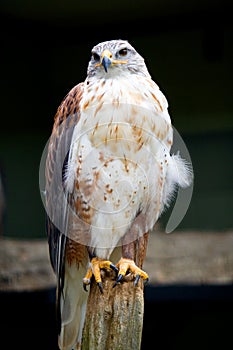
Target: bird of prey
109 176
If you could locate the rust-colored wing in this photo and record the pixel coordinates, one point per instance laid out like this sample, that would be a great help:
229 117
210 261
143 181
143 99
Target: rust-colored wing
66 118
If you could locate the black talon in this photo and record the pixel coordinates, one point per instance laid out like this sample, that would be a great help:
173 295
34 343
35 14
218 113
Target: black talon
85 287
146 281
119 278
137 278
100 287
114 268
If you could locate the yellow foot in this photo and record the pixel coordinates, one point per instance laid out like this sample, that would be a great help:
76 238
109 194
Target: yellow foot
125 265
96 265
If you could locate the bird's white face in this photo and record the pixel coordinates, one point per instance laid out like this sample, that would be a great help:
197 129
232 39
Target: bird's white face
111 58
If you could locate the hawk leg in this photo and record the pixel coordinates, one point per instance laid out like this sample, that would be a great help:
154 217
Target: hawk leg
94 270
132 252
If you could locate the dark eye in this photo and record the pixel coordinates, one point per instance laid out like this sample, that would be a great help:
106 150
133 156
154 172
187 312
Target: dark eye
95 56
123 52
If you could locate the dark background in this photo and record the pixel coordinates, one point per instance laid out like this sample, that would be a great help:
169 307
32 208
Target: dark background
176 318
187 45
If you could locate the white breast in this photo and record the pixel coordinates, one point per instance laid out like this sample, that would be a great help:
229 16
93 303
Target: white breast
118 156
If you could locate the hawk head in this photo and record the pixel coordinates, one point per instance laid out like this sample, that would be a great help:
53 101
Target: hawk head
114 57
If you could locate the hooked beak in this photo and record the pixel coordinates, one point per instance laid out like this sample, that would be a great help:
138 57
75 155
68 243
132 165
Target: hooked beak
106 62
106 59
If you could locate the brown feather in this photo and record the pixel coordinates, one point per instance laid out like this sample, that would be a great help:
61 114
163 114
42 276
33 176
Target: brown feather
76 253
67 116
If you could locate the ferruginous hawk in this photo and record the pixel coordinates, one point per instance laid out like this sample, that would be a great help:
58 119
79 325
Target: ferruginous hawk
109 175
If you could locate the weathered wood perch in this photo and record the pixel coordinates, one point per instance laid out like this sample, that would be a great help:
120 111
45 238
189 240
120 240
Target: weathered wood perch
114 319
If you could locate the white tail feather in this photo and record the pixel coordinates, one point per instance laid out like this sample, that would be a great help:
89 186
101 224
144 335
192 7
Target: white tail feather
73 308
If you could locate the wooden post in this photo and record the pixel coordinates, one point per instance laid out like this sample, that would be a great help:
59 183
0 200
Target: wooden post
114 319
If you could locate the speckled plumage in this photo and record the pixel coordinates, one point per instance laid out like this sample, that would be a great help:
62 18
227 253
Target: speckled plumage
118 175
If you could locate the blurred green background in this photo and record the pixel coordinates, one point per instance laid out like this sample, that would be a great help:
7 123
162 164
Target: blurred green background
45 49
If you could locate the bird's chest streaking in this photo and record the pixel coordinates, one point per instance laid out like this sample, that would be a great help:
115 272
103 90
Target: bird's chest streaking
117 158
